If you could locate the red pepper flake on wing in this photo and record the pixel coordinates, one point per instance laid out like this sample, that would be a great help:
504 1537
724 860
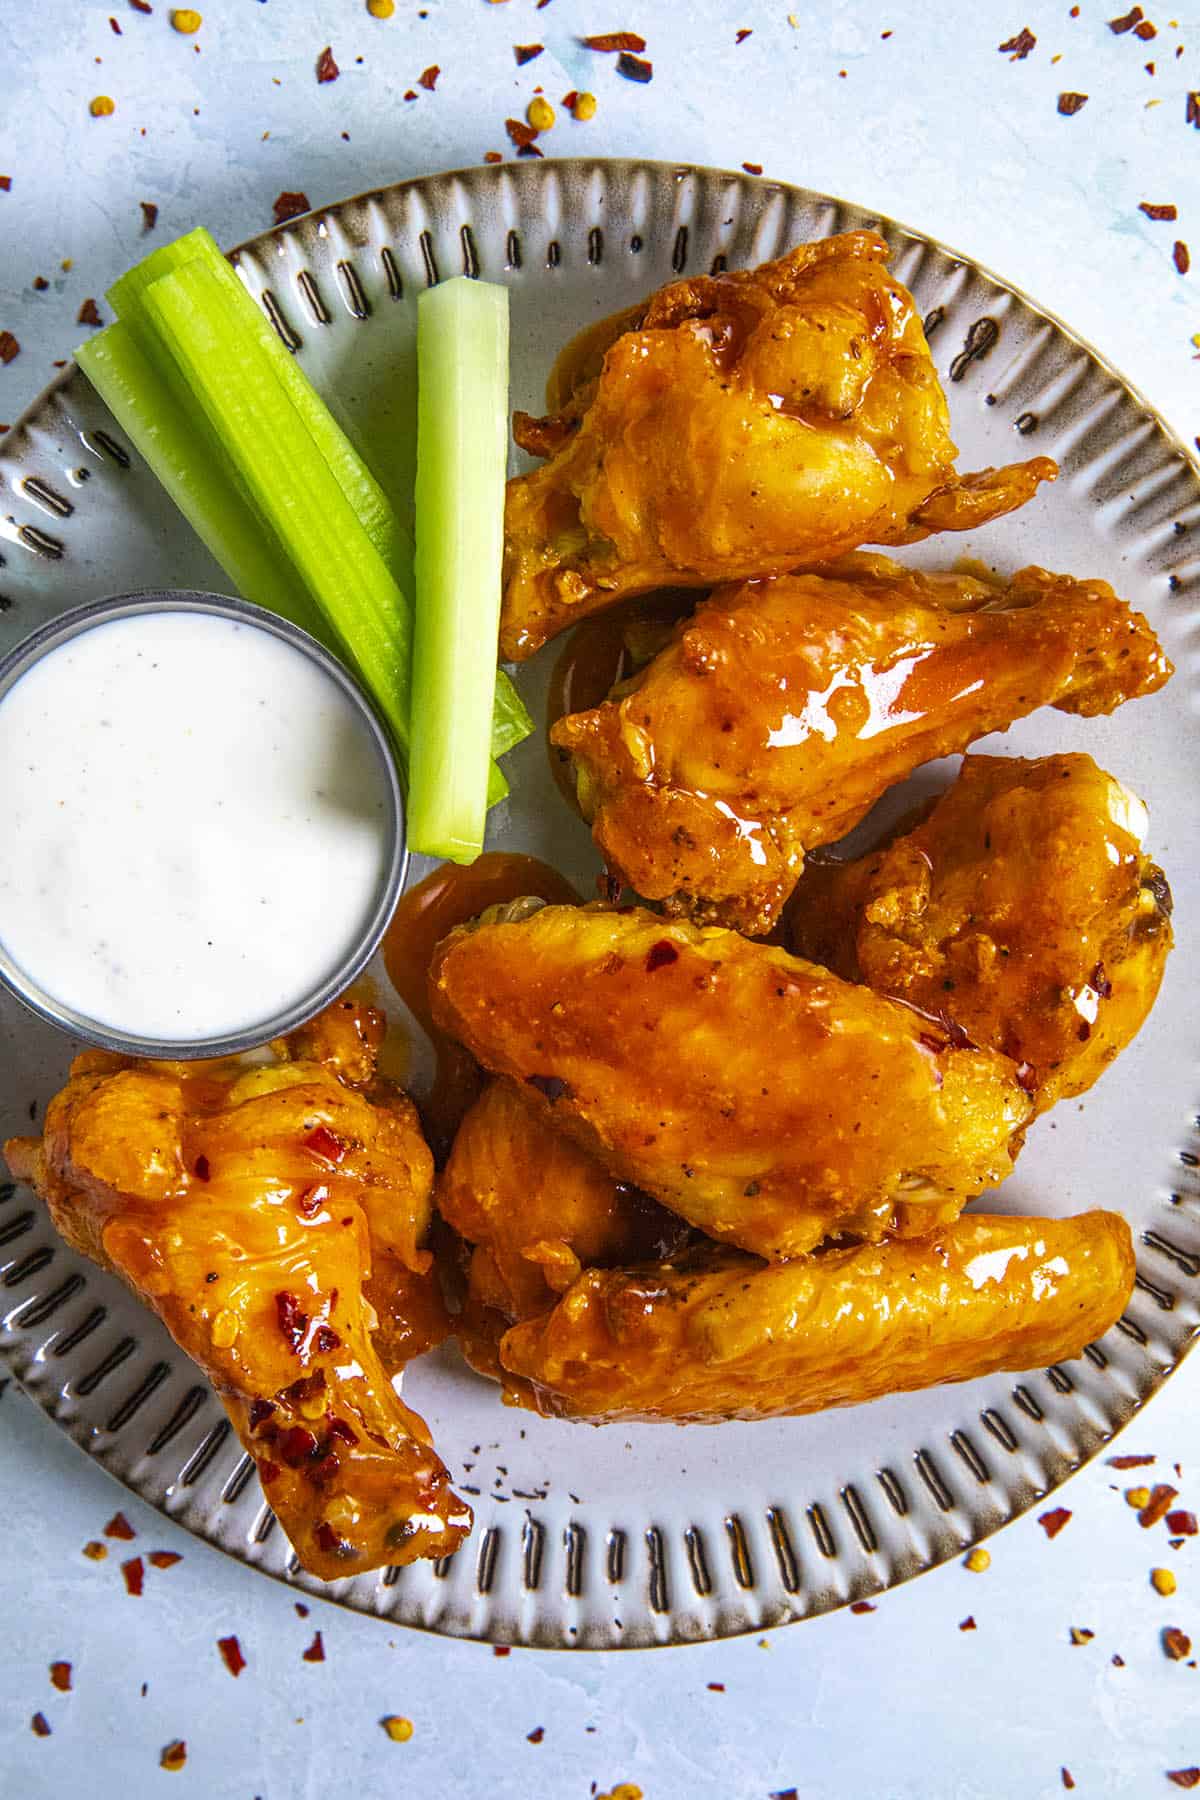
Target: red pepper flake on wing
39 1725
316 1650
119 1527
1018 48
634 68
327 69
428 77
661 955
9 347
610 41
134 1573
1153 211
60 1676
231 1652
174 1755
149 214
1158 1505
164 1559
1182 256
293 1323
526 53
324 1143
1071 103
1052 1522
1176 1644
290 206
1127 21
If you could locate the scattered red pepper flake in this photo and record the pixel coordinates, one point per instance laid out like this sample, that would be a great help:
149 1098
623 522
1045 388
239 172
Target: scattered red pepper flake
231 1652
410 94
753 168
501 1649
1127 21
1181 1524
302 1611
327 69
323 1142
862 1606
1052 1522
174 1755
1193 109
1158 1505
316 1650
293 1323
634 68
745 32
39 1725
716 1687
164 1559
1182 256
5 184
1081 1634
492 156
1184 1778
95 1550
1071 103
149 214
119 1527
1074 12
60 1676
521 134
526 53
290 206
1145 31
115 26
967 1624
428 77
1177 1644
615 40
1129 1462
141 6
536 1735
1017 48
1153 211
9 347
134 1573
1118 1662
661 955
1068 1780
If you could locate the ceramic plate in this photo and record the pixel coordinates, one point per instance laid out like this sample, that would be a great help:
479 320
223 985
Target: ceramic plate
649 1535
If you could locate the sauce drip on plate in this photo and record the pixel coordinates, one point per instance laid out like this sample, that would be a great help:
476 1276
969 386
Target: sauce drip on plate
425 915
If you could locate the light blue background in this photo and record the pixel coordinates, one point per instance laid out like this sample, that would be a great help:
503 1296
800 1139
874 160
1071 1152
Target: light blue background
932 125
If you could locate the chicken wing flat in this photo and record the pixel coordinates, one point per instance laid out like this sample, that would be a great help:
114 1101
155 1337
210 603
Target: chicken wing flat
759 1097
1021 905
739 425
239 1202
720 1336
782 710
537 1210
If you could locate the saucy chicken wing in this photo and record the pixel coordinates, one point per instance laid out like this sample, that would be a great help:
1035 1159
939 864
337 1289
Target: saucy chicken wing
760 1098
1021 905
243 1204
720 1336
782 710
537 1210
739 425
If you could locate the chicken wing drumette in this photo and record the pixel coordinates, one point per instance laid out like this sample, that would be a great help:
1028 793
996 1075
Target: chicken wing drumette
245 1204
1021 905
739 425
782 710
757 1096
721 1336
537 1210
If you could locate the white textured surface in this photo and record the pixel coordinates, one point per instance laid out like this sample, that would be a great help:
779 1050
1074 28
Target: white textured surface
934 126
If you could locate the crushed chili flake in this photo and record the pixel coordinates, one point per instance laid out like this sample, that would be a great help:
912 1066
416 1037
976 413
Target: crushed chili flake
134 1574
119 1527
231 1652
141 6
174 1755
1068 1780
521 134
323 1142
302 1611
716 1687
410 94
1152 211
1184 1778
1118 1662
743 34
149 214
164 1559
290 206
428 77
260 1412
116 28
862 1606
1017 48
201 1169
5 184
1182 256
661 955
1127 21
967 1624
1081 1634
501 1649
89 312
39 1725
1145 31
492 156
1052 1522
525 53
293 1323
316 1650
634 68
327 69
325 1338
60 1676
1193 109
536 1735
9 347
753 168
95 1550
615 40
1158 1505
1177 1644
1181 1524
1129 1462
1071 103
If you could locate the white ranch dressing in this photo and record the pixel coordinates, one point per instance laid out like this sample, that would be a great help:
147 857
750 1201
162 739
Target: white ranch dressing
195 825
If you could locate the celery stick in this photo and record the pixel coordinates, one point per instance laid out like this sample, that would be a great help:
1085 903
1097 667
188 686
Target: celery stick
462 420
188 461
288 480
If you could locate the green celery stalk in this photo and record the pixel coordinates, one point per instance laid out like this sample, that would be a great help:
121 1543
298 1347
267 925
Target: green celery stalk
288 480
462 424
188 461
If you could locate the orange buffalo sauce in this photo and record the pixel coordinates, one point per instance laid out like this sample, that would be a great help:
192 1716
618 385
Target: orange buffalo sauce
425 915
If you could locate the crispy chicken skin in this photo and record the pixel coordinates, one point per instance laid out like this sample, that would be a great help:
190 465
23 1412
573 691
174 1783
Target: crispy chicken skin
782 710
759 1097
244 1204
1021 905
537 1210
721 1336
739 425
